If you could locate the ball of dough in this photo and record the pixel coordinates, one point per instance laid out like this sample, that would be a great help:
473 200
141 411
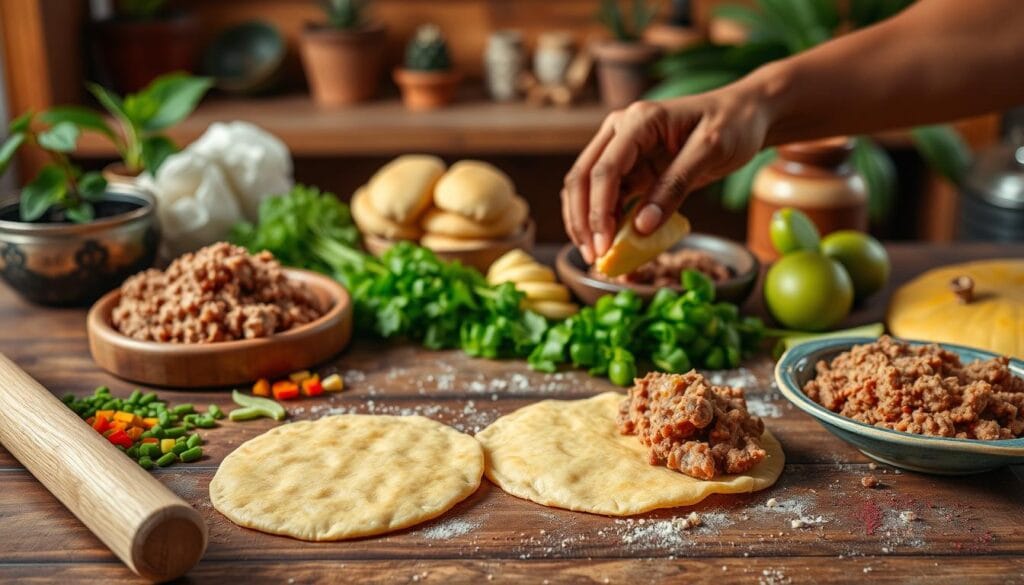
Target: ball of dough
447 223
370 221
475 189
403 189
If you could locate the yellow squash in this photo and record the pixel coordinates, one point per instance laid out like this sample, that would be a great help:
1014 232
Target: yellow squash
927 308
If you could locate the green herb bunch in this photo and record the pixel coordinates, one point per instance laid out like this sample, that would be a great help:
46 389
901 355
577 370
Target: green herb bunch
344 14
60 186
673 333
623 29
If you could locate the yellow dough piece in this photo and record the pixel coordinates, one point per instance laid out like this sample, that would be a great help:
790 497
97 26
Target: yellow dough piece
630 250
569 454
556 310
404 188
347 476
476 190
544 291
508 260
446 223
441 243
523 273
370 221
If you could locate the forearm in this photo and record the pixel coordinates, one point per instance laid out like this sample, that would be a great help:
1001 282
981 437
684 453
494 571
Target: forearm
939 60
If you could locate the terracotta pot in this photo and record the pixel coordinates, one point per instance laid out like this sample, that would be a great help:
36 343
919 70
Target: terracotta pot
343 66
427 90
622 71
118 174
132 53
814 177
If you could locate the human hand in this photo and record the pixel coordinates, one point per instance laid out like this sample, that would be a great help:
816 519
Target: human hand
660 151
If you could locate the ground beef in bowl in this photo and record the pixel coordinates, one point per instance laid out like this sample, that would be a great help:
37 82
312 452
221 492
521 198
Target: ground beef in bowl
922 389
219 293
691 426
666 269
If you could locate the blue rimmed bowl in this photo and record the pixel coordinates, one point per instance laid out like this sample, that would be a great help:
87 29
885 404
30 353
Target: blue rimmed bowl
939 455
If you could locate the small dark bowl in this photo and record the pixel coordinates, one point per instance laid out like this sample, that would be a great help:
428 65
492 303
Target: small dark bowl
575 273
69 264
246 59
922 453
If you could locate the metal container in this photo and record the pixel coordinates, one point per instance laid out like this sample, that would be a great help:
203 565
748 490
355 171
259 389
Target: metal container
67 264
992 202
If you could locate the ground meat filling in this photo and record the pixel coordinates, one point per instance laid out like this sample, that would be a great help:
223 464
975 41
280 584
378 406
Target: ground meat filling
691 426
668 266
923 390
219 293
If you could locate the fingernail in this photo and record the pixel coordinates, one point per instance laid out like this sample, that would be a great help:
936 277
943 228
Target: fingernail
588 256
648 218
600 244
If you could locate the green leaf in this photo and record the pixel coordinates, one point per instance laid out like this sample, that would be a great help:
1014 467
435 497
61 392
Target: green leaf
943 149
879 172
21 124
62 138
8 149
92 186
736 187
84 118
691 84
176 95
82 213
110 101
43 192
155 150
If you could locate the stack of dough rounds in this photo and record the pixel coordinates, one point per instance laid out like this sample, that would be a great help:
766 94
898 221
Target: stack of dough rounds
536 281
347 476
395 199
475 204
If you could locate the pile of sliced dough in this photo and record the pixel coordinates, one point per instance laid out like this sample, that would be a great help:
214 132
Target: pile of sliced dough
536 281
415 197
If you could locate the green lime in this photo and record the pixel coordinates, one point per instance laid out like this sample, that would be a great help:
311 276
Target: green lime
863 257
790 230
808 291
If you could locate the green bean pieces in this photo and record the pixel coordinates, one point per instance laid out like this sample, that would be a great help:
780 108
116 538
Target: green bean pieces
255 407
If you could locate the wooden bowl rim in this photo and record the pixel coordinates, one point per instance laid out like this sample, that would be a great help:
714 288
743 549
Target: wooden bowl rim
99 324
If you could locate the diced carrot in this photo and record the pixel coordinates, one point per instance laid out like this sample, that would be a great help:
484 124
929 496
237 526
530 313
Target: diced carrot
118 425
299 376
285 390
107 414
333 383
124 416
166 445
312 387
150 422
151 440
134 433
261 387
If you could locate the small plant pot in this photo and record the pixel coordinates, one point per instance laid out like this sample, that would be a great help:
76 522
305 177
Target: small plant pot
68 264
427 90
623 71
343 66
117 173
132 53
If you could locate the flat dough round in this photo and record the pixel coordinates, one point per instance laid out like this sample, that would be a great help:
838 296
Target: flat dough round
370 221
569 454
442 243
447 223
347 476
475 189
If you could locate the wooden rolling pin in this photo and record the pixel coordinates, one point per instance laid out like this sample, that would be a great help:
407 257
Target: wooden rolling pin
156 533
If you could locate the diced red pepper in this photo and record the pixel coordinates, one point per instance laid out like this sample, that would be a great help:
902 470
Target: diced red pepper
101 423
312 386
285 390
120 438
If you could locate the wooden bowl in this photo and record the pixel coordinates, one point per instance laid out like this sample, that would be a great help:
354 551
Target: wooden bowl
480 258
194 365
575 273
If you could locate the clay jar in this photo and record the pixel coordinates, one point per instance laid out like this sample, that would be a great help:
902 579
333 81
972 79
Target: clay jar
814 177
622 70
343 66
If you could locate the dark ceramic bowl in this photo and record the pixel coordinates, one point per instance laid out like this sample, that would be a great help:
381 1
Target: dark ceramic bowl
939 455
68 264
246 58
575 273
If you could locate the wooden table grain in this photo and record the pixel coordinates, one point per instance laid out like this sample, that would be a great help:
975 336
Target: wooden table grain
823 526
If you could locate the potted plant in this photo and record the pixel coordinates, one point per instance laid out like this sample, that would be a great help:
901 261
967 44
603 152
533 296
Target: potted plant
143 40
428 81
624 60
343 57
70 236
139 121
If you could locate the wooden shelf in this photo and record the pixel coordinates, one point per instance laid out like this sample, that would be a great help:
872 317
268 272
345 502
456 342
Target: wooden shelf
386 127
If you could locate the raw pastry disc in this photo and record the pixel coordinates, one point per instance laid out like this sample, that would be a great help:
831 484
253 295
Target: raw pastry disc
347 476
569 454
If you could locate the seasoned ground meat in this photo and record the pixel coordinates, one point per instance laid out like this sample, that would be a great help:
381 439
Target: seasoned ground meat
666 268
923 390
691 426
220 293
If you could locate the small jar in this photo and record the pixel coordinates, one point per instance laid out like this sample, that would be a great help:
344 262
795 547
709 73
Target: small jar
816 178
504 60
552 57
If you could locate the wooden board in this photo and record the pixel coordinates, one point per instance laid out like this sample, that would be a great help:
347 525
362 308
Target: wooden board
967 530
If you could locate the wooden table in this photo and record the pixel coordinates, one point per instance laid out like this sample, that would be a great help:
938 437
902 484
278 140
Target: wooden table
967 529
